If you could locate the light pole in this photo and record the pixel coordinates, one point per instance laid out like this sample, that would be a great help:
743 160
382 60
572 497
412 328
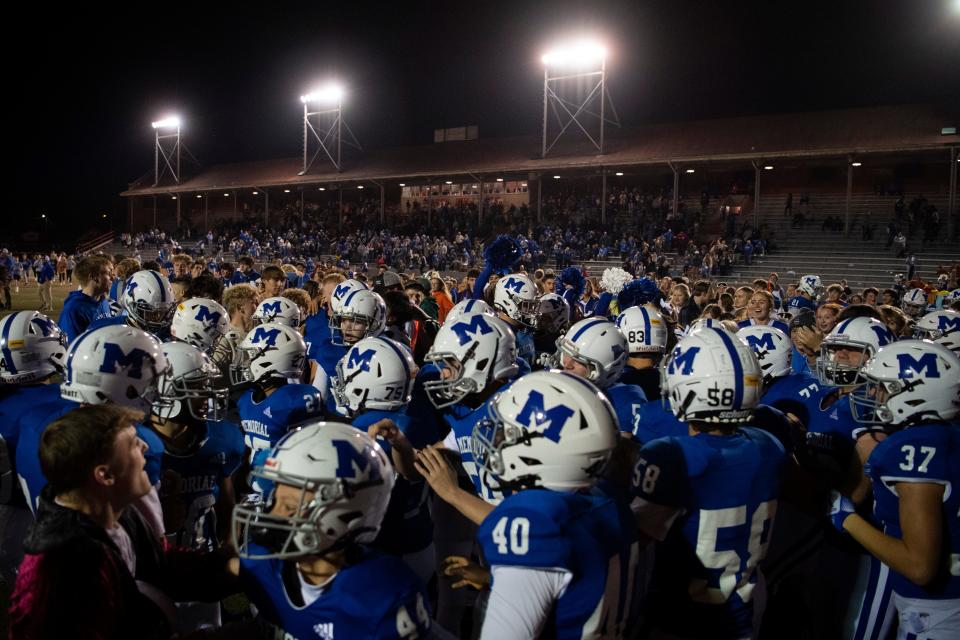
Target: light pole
170 126
323 118
572 64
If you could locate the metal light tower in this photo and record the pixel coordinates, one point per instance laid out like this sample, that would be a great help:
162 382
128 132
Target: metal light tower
164 149
573 67
323 117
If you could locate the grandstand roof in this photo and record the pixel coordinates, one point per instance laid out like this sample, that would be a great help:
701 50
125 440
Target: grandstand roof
820 134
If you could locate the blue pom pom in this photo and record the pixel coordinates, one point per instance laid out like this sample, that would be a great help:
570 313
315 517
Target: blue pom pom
503 253
574 277
637 293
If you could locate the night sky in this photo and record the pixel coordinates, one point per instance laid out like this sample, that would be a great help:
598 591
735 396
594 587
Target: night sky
90 81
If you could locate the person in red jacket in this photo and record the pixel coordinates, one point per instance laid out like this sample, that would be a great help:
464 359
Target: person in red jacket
93 568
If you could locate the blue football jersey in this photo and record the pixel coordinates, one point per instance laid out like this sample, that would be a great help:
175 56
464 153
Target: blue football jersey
589 535
15 402
711 499
266 421
407 526
653 420
928 453
799 302
647 379
190 485
429 426
327 355
627 399
375 597
788 392
30 428
824 414
526 348
316 331
461 419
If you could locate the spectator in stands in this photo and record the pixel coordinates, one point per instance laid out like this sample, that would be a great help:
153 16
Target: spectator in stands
900 244
91 560
788 207
911 266
205 285
441 295
896 320
180 284
740 300
300 298
91 302
71 265
870 296
62 268
684 309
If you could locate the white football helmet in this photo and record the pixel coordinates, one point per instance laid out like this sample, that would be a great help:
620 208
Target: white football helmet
365 310
269 350
914 303
470 305
376 373
711 376
554 314
908 382
473 351
116 363
951 297
32 347
516 296
344 482
942 327
811 285
863 335
598 345
200 322
773 349
344 289
191 387
549 429
702 323
645 330
277 309
148 299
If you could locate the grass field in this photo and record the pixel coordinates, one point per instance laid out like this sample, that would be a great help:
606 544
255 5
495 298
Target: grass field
29 297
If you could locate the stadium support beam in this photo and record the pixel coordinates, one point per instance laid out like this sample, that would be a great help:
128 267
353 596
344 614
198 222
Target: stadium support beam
206 213
382 211
539 198
676 186
756 195
166 146
952 197
846 209
603 196
266 207
178 212
154 212
323 121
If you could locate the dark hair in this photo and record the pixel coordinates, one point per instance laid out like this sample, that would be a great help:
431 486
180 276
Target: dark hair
90 267
858 311
246 260
272 272
205 285
150 265
312 287
74 444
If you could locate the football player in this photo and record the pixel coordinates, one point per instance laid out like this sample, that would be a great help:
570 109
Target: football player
942 327
277 309
147 302
912 390
201 322
516 301
646 333
304 559
709 498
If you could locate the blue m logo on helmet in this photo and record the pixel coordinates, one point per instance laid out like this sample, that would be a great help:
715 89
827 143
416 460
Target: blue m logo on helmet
947 324
514 284
683 360
341 290
271 307
884 337
206 316
131 285
260 334
925 366
351 462
114 358
549 422
470 329
764 341
360 359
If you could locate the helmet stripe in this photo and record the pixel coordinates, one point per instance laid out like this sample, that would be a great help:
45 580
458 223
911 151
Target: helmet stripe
71 352
163 290
646 326
737 368
7 354
584 328
843 327
403 359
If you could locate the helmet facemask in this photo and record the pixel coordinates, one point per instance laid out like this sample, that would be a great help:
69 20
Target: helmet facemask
451 390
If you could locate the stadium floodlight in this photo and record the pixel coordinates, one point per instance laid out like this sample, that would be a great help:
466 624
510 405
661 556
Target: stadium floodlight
402 184
856 164
499 179
256 193
448 182
574 82
329 94
321 188
556 177
173 197
581 52
170 122
691 170
323 117
619 173
199 195
226 195
768 167
359 186
285 191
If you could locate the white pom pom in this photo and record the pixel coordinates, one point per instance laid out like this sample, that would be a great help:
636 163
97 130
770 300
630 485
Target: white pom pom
614 279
